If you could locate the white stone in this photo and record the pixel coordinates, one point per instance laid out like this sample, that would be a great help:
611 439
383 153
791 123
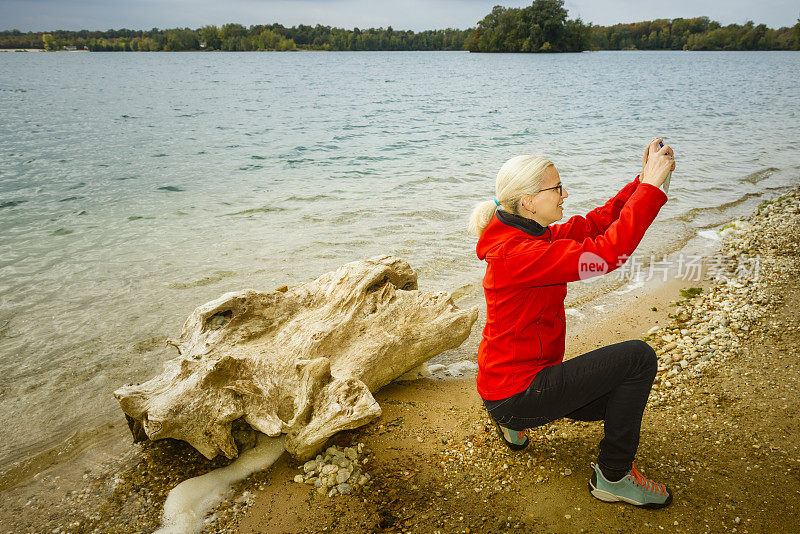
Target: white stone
329 469
705 341
342 476
310 466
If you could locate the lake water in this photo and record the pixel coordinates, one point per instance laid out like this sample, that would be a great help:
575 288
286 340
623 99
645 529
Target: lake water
135 187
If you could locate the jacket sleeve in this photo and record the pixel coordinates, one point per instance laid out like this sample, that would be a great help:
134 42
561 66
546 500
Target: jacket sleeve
537 262
596 221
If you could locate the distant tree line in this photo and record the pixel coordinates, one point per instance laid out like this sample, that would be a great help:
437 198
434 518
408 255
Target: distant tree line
543 26
693 34
235 37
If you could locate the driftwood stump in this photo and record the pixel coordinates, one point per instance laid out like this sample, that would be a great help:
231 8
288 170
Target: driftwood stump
302 361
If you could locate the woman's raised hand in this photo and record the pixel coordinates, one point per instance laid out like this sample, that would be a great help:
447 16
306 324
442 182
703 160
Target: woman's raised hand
657 163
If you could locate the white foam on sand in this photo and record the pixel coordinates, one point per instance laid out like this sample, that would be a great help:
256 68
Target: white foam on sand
454 370
574 313
188 503
636 282
440 371
712 235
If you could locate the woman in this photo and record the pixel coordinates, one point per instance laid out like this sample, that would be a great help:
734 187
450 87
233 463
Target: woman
521 376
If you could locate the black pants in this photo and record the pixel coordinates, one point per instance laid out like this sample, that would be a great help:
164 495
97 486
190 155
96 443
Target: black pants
611 383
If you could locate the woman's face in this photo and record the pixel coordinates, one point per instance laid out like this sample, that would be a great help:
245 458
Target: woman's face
547 203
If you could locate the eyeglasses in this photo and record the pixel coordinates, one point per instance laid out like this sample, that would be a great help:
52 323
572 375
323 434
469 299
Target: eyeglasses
560 188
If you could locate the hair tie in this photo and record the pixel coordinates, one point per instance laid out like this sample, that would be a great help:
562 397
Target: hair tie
496 203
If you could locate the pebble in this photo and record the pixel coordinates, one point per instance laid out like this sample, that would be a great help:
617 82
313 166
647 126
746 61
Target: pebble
329 469
337 472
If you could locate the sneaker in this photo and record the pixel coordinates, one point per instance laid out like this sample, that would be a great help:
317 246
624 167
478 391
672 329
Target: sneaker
633 488
516 440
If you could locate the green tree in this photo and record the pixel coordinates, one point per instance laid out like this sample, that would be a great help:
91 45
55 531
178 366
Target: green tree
49 42
210 36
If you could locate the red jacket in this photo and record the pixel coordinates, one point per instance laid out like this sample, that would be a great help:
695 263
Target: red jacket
526 282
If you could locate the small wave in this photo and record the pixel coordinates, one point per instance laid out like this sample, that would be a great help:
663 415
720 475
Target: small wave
68 199
312 199
159 155
258 157
435 215
63 231
252 211
11 203
763 174
431 180
216 276
76 186
138 217
251 167
126 178
694 213
173 188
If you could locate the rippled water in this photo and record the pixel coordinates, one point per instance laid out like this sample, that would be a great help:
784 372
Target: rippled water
134 187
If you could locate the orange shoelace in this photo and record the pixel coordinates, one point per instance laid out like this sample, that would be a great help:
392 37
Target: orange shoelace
646 483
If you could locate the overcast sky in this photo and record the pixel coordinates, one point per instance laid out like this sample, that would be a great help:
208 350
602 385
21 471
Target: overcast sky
38 15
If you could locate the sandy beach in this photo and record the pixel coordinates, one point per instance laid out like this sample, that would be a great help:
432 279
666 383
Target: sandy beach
720 429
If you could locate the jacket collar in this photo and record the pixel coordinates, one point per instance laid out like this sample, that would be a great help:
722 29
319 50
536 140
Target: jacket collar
529 226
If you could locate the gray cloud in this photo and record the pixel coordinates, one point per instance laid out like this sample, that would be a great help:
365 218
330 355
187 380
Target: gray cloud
37 15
